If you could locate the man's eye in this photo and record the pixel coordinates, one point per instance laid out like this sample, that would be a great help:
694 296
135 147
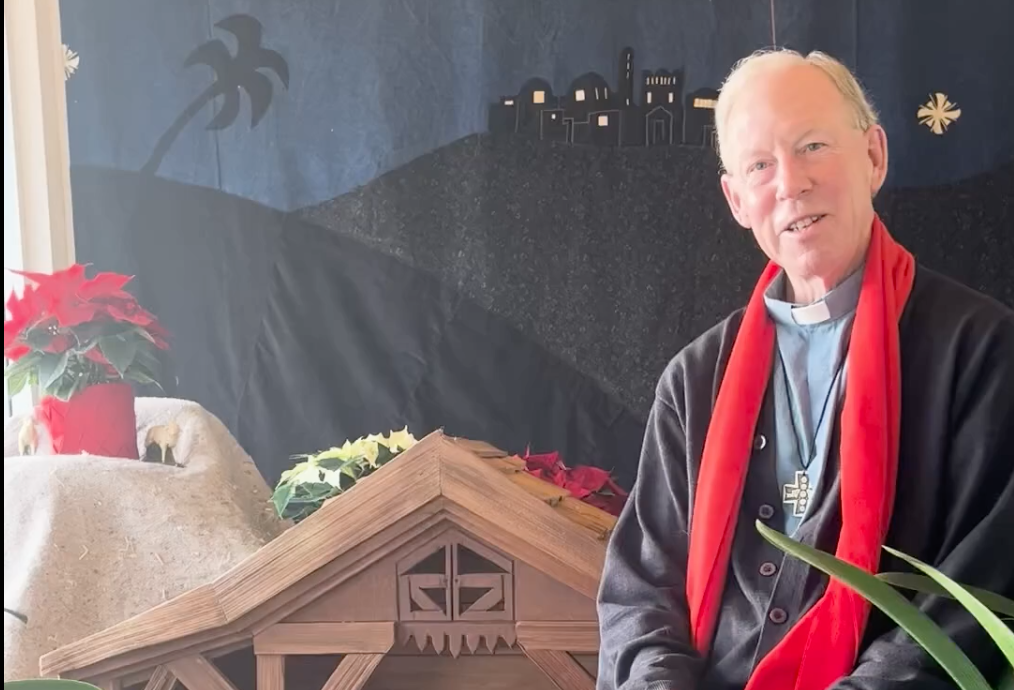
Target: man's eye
814 146
759 165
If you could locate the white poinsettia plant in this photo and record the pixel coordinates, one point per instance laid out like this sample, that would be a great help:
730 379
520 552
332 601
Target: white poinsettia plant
304 488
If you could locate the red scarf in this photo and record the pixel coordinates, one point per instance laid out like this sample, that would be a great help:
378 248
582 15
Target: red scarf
822 647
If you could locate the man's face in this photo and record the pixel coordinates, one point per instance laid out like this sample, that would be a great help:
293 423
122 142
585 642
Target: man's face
793 154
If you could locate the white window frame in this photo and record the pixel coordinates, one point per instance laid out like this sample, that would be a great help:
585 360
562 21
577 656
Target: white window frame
38 212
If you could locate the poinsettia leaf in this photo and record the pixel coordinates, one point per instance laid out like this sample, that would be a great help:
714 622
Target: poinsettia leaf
37 338
141 375
19 373
559 478
141 372
17 381
314 490
616 489
146 357
63 388
589 478
52 367
576 490
78 383
92 331
280 498
544 461
385 455
331 463
350 469
119 352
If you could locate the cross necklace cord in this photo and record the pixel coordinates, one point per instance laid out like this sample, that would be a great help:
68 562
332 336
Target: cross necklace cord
798 492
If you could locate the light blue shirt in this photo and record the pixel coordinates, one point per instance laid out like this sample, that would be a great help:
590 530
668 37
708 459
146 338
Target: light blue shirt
808 381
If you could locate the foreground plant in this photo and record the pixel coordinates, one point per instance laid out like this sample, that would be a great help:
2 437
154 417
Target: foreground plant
880 590
302 490
593 485
66 332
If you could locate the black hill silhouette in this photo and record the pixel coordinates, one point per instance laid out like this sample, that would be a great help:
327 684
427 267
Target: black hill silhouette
232 73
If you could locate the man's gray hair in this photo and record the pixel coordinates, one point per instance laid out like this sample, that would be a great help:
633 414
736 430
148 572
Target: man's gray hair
863 114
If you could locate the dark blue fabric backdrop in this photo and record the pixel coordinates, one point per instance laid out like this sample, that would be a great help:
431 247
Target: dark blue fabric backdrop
373 233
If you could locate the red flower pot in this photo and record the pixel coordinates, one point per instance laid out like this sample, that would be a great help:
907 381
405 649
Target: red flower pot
99 420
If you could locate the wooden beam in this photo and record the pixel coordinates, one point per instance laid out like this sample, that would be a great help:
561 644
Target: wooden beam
374 505
599 522
161 679
197 673
579 637
353 671
308 639
561 668
560 547
190 613
270 672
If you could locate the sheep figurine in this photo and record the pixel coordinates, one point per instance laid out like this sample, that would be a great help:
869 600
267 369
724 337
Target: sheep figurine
164 438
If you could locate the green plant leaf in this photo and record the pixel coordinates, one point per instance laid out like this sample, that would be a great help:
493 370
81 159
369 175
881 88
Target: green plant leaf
913 621
119 352
37 338
147 359
925 585
64 387
280 499
18 374
140 373
329 462
991 623
52 367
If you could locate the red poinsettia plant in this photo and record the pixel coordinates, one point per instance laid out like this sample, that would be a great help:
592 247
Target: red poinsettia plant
66 332
593 485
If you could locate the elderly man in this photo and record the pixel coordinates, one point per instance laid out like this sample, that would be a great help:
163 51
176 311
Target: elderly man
858 400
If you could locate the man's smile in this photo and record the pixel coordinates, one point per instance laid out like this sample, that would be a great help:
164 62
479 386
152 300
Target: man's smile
799 225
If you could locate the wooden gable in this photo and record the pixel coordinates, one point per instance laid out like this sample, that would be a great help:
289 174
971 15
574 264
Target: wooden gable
448 565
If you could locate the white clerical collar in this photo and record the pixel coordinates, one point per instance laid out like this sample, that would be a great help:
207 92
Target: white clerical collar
837 303
809 314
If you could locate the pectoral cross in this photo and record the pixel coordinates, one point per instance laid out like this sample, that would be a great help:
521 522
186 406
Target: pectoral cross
797 494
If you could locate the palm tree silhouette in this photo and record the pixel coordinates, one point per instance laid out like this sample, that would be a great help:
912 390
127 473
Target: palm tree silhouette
232 73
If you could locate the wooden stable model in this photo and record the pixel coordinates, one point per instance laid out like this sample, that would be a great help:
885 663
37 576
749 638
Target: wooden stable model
449 568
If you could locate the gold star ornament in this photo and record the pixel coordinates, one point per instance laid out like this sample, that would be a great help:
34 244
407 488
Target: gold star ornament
938 113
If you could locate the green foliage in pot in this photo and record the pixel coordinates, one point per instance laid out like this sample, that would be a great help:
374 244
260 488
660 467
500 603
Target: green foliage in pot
882 591
302 490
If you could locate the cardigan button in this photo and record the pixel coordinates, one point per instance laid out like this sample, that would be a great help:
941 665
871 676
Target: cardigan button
766 512
768 569
760 442
778 616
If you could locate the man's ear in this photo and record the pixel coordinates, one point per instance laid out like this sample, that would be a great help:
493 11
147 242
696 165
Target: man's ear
734 199
876 150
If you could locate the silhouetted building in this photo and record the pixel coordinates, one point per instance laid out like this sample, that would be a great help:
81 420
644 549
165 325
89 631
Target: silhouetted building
592 113
699 123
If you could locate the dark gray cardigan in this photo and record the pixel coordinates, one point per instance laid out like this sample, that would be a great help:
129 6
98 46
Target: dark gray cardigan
954 509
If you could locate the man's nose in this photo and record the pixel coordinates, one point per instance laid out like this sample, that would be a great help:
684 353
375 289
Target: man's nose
792 179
